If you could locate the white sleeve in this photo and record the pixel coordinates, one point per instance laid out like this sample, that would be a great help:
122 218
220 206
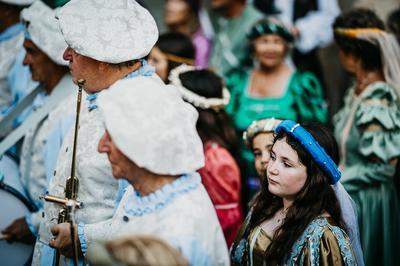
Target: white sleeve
88 233
315 28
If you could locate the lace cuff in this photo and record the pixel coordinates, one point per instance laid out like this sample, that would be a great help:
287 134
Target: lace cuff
31 226
82 238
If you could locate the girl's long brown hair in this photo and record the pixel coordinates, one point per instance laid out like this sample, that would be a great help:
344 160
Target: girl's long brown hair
316 197
212 125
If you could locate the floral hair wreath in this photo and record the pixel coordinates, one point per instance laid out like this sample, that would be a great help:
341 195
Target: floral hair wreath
193 98
259 126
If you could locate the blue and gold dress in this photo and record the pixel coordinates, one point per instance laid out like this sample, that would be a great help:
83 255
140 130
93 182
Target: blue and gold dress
321 243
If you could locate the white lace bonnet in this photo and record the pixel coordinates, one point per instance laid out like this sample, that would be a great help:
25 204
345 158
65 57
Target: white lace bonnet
108 30
42 28
151 124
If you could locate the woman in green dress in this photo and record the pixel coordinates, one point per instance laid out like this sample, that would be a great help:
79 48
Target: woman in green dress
296 219
272 88
367 129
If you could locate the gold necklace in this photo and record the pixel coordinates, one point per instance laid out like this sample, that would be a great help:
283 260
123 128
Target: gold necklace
282 215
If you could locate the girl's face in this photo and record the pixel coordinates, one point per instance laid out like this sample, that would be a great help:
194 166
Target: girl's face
158 60
262 144
286 174
176 12
270 50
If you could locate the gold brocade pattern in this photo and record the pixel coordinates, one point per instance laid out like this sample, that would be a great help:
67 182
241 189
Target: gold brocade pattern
259 241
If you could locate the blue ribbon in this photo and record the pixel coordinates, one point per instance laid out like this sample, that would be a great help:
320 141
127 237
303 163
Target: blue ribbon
91 98
145 70
312 146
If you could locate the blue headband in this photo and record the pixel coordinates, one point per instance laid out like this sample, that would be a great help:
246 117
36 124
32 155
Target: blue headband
312 146
266 27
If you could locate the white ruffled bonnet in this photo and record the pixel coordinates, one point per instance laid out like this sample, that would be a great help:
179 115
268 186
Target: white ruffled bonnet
151 124
43 30
108 30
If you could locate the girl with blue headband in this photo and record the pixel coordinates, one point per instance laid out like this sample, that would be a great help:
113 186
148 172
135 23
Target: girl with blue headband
297 219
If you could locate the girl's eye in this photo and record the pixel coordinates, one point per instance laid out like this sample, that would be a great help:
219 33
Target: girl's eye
257 154
286 165
272 157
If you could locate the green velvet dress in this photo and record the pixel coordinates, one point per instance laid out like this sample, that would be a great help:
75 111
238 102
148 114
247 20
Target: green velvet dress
368 132
302 101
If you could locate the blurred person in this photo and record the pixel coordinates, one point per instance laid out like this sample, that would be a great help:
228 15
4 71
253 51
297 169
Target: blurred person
272 88
393 23
15 78
171 50
259 137
119 54
20 79
183 16
46 63
232 19
220 174
310 23
151 141
296 218
367 130
382 9
135 250
22 87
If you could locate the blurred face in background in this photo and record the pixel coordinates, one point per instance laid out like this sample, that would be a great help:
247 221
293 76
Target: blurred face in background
40 65
270 50
262 144
348 61
177 12
220 4
158 60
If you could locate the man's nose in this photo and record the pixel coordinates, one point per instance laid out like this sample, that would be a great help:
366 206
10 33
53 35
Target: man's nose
103 147
25 62
67 54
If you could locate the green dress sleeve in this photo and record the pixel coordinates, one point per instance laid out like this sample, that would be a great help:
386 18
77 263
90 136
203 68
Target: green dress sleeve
377 120
310 102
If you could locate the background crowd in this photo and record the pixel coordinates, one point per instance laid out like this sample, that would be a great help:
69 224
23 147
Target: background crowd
245 71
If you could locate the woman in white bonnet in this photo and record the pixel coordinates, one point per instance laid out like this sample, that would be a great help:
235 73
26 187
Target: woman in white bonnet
152 142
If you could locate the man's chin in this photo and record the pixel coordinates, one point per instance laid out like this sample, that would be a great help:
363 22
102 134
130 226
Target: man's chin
116 174
34 78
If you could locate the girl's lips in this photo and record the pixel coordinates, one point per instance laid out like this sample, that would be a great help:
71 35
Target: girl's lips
272 181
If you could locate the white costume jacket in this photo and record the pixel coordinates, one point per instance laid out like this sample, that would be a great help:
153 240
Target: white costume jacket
181 213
